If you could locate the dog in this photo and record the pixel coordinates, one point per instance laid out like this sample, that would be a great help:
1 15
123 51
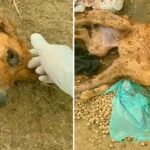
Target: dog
14 56
132 40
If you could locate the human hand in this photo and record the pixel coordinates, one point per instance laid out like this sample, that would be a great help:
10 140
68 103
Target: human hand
53 63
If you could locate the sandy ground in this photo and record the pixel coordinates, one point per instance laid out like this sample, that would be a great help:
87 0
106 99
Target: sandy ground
38 117
139 11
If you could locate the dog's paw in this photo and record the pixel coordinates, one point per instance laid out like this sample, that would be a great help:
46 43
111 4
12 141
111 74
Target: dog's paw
87 95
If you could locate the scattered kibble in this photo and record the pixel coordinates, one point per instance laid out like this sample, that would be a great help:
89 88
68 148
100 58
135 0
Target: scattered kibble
112 140
97 112
96 131
99 141
78 81
92 141
143 144
88 124
111 145
129 139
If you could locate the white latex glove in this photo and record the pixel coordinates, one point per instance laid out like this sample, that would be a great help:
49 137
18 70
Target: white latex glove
53 63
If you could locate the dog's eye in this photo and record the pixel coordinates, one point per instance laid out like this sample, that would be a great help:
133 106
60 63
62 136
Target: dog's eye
12 57
2 27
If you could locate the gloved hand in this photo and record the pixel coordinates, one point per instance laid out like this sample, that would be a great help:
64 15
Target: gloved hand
53 63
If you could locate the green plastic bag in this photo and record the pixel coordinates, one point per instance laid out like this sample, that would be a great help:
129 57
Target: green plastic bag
131 112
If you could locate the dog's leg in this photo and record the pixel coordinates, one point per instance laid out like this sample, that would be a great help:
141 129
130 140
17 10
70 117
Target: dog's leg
82 34
104 18
107 77
122 68
88 94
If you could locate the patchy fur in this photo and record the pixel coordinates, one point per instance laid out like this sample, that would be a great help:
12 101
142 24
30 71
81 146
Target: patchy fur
14 56
131 39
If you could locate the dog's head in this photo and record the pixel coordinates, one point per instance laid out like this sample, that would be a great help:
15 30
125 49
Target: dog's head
13 56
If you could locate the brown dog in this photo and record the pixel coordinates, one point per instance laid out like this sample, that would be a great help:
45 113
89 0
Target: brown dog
14 56
133 42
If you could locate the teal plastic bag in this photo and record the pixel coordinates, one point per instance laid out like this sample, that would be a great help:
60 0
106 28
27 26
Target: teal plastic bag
131 112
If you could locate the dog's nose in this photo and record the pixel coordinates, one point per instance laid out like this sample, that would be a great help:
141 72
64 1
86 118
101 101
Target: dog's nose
2 98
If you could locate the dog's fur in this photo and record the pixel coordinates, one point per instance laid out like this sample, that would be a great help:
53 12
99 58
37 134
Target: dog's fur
14 56
132 40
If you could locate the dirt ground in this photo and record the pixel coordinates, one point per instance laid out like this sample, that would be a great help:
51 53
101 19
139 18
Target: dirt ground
139 11
38 117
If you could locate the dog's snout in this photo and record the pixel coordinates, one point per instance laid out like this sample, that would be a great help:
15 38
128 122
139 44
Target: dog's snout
2 98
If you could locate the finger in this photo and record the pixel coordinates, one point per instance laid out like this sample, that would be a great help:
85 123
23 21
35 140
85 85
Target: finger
34 62
38 42
33 52
40 70
45 79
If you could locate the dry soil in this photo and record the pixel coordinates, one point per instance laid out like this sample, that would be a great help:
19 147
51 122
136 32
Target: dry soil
38 117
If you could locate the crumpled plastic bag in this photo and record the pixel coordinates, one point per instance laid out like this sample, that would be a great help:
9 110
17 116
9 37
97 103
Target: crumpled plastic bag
110 5
131 112
84 63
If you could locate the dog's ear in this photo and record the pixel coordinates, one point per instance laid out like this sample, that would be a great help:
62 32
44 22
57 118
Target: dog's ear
7 27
